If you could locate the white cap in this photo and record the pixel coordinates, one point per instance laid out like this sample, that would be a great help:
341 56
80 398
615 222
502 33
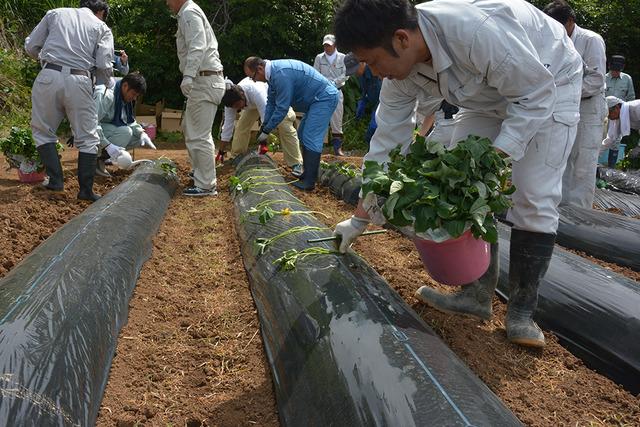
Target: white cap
329 39
612 101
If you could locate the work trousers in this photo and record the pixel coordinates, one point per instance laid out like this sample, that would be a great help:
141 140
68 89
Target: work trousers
313 126
59 93
579 180
336 118
286 133
122 136
197 122
538 175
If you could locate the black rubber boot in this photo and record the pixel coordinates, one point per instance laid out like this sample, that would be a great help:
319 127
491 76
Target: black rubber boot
337 146
613 158
101 169
51 161
473 299
311 164
529 259
86 174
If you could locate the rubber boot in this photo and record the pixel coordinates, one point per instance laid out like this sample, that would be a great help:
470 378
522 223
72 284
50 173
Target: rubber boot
86 174
337 146
51 161
529 259
473 299
613 158
311 164
101 169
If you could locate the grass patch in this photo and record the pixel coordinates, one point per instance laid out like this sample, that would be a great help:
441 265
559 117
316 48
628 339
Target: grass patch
16 73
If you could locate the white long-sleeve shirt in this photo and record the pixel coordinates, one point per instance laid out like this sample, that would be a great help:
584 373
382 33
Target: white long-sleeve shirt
256 97
195 41
591 48
73 38
614 131
502 58
335 71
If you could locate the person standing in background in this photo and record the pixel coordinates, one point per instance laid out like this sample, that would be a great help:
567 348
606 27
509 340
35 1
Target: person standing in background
331 65
620 85
203 86
579 179
71 44
370 89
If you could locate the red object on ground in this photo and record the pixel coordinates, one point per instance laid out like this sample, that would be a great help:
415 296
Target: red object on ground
151 131
263 149
457 261
31 177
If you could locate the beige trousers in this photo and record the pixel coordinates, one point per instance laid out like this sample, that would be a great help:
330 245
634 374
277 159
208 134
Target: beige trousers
286 133
336 118
197 122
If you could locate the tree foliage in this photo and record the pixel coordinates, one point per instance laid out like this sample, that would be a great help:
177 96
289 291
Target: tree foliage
268 28
617 21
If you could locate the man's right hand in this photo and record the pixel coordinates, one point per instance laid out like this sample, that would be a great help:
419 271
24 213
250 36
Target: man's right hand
186 86
349 230
262 138
114 151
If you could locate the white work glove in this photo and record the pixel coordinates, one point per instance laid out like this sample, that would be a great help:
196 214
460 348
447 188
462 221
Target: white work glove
186 85
119 156
350 230
114 151
262 138
123 161
605 144
111 83
145 141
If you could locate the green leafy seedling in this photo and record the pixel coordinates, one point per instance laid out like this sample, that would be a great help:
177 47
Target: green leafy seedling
290 258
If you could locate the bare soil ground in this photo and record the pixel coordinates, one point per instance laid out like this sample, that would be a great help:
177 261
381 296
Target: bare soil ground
191 353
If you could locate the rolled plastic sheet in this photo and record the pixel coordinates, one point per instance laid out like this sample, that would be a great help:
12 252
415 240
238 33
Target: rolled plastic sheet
62 307
338 180
616 202
351 190
627 182
594 312
344 348
325 175
342 186
606 236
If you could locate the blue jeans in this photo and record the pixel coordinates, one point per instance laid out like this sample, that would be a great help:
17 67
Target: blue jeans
315 122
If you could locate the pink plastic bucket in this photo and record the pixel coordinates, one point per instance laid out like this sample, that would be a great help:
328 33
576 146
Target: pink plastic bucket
151 131
31 177
456 261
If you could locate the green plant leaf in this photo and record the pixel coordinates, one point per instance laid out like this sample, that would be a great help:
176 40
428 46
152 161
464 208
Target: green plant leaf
395 187
445 210
266 214
455 228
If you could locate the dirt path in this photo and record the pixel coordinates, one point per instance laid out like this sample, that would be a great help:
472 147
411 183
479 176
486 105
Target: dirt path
191 353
